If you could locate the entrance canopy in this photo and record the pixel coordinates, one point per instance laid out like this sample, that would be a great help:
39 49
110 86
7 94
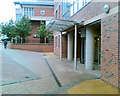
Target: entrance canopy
62 25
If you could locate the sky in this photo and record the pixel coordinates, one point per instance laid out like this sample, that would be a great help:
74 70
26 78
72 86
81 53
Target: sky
7 10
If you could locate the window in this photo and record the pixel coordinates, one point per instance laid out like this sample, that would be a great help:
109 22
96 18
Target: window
80 4
18 17
42 12
28 11
56 13
83 3
56 41
77 4
70 7
59 11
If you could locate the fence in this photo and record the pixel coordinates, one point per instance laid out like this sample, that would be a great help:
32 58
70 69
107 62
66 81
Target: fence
18 41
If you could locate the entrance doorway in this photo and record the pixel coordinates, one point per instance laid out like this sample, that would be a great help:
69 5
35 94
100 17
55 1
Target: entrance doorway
97 53
82 60
97 46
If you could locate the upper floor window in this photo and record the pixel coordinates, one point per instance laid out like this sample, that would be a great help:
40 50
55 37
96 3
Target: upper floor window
28 11
56 14
59 11
70 7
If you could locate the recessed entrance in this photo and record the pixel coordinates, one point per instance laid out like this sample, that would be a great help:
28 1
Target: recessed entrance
86 48
97 46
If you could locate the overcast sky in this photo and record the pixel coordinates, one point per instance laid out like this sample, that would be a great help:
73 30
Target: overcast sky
7 10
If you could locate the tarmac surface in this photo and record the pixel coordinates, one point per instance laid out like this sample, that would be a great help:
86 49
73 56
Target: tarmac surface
28 72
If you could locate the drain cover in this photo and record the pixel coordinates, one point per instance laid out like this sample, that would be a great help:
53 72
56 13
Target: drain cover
27 77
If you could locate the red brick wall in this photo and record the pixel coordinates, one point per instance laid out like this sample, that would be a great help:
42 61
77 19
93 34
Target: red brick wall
31 39
109 49
64 43
49 12
64 46
57 49
34 47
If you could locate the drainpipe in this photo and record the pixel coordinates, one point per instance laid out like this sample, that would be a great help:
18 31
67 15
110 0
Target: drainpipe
75 49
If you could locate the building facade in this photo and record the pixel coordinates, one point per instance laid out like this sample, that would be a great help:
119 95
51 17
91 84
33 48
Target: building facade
87 31
38 11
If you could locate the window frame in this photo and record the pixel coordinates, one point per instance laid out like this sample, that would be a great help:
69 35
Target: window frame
28 11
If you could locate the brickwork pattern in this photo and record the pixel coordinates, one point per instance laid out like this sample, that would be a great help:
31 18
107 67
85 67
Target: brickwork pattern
34 47
109 49
64 46
49 12
57 49
31 39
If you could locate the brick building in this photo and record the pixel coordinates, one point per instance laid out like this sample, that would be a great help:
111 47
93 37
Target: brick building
87 31
39 10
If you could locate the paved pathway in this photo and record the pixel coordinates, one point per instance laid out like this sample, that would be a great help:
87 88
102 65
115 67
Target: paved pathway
27 72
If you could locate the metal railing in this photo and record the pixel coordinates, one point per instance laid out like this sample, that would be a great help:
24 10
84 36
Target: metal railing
18 41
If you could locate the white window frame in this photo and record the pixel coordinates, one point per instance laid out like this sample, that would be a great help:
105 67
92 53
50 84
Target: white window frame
28 11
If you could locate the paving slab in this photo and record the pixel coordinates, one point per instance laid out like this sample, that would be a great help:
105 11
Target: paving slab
13 72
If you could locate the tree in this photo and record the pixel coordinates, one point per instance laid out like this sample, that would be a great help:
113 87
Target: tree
23 28
42 32
8 29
